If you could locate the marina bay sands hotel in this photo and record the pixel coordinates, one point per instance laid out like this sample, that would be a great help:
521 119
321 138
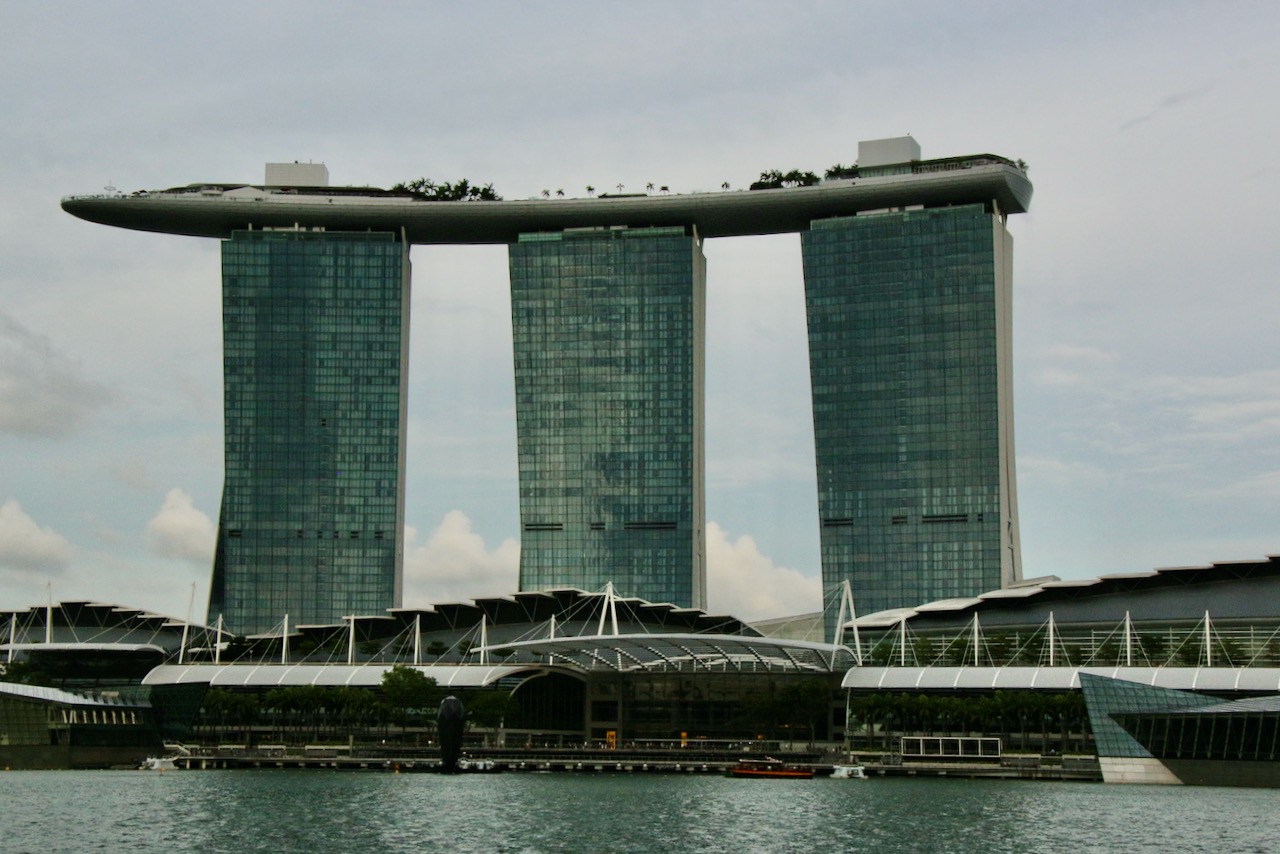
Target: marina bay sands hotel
907 271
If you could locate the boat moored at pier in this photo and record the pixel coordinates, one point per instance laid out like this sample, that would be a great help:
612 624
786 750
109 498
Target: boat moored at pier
770 768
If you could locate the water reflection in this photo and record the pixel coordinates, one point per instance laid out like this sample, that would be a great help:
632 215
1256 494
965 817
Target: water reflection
309 811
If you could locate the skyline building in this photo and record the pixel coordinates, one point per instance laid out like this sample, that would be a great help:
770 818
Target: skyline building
315 340
907 280
608 328
910 363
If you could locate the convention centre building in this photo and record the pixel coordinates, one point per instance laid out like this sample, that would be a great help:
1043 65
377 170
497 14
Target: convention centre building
1102 666
1168 676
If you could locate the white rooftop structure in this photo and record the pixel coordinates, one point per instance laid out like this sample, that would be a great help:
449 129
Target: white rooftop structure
884 152
297 174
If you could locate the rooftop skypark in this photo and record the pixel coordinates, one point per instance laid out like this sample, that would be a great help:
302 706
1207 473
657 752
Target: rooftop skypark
907 264
216 210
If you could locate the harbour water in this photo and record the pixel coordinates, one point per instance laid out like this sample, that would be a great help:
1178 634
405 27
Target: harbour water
320 811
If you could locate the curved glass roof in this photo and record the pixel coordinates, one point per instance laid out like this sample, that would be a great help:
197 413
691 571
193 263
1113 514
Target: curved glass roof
691 652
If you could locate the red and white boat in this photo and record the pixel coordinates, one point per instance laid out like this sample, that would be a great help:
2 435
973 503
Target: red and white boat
770 768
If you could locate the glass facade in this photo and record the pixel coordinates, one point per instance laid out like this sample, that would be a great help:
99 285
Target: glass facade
608 342
315 338
25 721
1246 731
910 362
1108 699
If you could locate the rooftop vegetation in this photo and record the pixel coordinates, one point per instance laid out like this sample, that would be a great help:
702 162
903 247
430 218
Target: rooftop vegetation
773 179
461 191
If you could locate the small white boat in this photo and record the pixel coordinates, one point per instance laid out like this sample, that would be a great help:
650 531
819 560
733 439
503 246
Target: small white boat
848 772
159 763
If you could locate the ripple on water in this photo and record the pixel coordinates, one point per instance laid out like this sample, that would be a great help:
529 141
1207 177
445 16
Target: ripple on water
310 811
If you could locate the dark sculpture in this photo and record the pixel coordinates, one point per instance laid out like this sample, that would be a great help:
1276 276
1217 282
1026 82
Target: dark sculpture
450 722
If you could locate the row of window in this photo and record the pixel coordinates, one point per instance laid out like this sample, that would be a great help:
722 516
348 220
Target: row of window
110 717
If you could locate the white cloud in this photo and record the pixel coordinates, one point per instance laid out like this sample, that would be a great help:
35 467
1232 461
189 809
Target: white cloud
42 392
1075 353
1238 410
1254 383
455 565
749 585
1059 378
1213 414
1262 486
1072 366
1053 471
25 546
1115 419
179 530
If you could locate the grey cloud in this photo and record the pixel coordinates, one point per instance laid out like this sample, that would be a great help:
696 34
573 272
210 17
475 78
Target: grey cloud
42 391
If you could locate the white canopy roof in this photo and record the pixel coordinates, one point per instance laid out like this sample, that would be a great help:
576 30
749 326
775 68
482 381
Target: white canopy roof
335 675
1059 678
66 698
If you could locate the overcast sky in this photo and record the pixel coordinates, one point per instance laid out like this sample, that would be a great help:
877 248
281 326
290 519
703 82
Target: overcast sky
1147 366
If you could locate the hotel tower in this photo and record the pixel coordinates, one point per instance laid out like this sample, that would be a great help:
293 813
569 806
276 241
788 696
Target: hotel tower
907 268
315 335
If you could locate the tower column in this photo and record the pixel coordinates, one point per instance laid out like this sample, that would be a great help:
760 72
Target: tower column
315 339
910 362
608 331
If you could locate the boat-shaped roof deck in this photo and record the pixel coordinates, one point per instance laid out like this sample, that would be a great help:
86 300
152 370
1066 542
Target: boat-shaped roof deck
217 210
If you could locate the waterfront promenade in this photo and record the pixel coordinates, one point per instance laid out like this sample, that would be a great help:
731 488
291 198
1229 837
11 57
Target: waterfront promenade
625 761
